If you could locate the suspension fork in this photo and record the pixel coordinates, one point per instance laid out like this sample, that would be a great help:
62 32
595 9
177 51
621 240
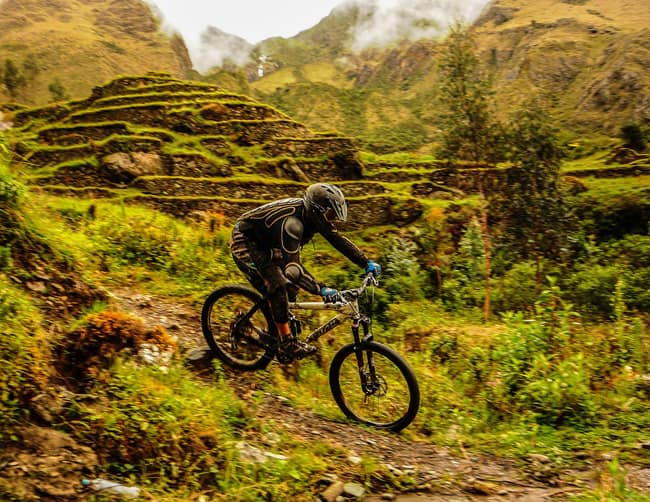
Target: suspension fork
368 378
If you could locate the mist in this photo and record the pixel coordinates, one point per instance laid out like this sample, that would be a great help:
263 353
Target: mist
385 21
381 22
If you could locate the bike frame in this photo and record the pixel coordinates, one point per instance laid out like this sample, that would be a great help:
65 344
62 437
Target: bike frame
346 310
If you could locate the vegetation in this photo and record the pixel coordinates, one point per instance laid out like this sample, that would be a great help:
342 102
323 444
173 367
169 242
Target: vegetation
12 79
523 311
633 137
471 131
543 379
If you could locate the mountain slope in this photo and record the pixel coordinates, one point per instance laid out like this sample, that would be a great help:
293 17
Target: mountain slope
588 58
82 43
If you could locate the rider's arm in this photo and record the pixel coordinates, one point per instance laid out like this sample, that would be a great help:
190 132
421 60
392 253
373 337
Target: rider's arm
345 246
292 232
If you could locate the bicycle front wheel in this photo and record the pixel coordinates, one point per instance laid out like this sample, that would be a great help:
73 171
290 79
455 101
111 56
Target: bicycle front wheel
374 385
236 327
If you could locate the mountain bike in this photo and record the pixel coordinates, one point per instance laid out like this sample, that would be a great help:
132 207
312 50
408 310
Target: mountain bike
370 382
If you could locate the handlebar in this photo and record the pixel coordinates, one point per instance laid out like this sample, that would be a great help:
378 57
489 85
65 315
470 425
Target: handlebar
347 295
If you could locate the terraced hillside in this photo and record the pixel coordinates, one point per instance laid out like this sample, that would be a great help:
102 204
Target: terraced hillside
190 148
185 146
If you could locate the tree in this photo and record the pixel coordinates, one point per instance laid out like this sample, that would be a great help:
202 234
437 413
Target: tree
31 69
534 213
57 91
633 136
470 130
12 79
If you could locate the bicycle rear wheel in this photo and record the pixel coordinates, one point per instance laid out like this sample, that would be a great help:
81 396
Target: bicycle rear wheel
374 385
245 344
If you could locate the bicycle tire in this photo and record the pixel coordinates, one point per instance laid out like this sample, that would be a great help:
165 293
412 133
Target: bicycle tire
399 387
221 309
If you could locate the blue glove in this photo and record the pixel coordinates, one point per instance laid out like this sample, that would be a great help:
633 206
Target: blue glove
327 293
373 268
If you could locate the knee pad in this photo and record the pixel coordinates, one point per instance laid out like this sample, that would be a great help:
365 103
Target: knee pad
293 272
274 279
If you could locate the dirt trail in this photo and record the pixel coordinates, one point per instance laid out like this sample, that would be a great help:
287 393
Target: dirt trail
437 473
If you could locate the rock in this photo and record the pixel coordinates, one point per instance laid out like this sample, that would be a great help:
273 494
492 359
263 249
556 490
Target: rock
255 455
332 492
36 286
354 490
327 479
199 358
121 167
480 487
354 460
271 438
538 457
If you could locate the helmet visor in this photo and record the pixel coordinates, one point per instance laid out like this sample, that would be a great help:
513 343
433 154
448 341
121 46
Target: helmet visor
331 215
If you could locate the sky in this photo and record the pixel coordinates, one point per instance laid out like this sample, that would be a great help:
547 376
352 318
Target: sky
253 20
256 20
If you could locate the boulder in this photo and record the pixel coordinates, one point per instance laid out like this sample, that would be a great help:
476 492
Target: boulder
125 167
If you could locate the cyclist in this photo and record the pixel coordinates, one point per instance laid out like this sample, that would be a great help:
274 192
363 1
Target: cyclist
266 244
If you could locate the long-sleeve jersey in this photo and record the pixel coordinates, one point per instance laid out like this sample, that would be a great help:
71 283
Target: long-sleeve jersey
284 227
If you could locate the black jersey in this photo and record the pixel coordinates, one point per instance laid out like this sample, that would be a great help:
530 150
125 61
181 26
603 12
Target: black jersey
284 226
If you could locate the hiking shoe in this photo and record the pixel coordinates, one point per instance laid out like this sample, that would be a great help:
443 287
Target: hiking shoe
292 349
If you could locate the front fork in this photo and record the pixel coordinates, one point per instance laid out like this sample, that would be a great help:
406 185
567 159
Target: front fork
367 374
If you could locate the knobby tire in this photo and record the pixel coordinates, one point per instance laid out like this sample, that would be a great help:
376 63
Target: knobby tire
249 351
394 405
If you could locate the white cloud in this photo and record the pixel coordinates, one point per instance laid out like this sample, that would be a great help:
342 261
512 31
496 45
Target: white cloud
386 21
256 20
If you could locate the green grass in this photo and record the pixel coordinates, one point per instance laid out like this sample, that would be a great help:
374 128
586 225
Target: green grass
549 382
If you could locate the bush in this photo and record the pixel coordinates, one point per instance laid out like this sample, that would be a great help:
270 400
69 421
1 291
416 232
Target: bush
135 240
87 352
558 393
517 290
403 278
633 137
591 288
538 368
24 352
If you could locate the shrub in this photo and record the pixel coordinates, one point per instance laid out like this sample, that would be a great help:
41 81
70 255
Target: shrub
135 240
87 352
517 290
539 369
24 352
591 288
558 392
632 135
403 276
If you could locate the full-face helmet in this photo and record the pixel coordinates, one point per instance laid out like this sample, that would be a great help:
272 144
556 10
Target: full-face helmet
326 201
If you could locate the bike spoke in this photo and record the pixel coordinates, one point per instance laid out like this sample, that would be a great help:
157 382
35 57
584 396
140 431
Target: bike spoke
236 329
384 399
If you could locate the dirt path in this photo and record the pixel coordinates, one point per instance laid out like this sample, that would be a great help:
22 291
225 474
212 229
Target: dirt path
435 474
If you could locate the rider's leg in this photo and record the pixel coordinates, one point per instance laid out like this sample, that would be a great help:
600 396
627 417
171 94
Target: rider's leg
265 275
289 346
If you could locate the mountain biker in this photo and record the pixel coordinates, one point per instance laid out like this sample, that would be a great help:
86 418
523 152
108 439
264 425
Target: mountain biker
266 244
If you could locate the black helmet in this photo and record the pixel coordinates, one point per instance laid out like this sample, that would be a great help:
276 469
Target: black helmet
327 201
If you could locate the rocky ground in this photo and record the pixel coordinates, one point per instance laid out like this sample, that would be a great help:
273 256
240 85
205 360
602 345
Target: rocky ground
439 475
48 465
